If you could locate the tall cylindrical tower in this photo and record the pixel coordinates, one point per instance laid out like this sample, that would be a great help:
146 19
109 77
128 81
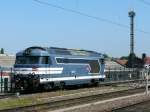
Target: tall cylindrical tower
131 15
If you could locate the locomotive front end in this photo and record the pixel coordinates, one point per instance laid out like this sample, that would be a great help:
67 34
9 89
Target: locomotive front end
26 68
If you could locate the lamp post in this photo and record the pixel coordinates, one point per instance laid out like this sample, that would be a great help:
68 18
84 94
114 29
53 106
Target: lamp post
146 76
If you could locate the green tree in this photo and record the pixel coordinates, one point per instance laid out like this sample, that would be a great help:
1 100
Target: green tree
124 57
105 56
2 51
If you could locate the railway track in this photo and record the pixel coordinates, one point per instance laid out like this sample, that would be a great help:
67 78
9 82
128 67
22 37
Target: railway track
122 82
78 89
2 96
139 107
53 105
109 83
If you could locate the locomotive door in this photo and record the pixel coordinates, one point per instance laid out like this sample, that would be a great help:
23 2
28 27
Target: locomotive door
73 74
47 63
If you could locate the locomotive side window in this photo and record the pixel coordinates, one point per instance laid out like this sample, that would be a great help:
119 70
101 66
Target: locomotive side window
94 64
95 68
62 60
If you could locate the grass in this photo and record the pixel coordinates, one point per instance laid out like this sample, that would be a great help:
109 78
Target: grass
22 101
17 102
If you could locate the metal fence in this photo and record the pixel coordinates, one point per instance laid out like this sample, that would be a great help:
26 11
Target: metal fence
122 74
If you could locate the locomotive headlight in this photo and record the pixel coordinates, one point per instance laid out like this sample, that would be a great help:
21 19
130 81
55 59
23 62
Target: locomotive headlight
147 66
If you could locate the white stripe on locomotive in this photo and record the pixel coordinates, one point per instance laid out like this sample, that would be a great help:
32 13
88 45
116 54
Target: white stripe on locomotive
45 80
25 71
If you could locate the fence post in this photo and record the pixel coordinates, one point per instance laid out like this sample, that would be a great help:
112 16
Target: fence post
1 81
11 75
120 74
109 77
146 82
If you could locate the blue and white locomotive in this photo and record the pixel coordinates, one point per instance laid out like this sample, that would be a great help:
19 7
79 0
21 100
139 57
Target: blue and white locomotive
49 67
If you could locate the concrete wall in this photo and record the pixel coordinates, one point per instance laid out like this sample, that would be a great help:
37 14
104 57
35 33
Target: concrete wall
7 60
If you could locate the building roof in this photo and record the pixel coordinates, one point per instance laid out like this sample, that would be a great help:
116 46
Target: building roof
147 61
122 62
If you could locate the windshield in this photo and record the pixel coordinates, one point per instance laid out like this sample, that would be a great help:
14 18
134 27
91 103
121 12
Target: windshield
32 60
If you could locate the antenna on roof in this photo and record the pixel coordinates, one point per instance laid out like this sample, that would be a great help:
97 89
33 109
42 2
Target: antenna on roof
131 7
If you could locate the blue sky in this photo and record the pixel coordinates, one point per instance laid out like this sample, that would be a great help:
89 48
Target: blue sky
25 23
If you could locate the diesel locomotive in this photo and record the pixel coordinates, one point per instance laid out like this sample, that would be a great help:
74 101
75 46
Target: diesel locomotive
41 67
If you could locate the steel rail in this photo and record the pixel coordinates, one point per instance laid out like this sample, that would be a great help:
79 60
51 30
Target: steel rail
54 105
109 83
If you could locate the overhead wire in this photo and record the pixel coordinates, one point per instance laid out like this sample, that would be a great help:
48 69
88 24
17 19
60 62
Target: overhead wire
145 2
89 16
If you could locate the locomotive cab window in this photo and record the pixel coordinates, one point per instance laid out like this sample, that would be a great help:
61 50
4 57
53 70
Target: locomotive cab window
32 60
44 60
20 60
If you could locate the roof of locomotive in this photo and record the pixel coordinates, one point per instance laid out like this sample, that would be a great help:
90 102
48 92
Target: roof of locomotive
46 51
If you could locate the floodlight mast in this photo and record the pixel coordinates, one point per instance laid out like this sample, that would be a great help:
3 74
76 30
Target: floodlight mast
131 15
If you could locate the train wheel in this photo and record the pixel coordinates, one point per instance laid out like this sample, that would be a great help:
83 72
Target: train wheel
48 86
94 82
62 85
